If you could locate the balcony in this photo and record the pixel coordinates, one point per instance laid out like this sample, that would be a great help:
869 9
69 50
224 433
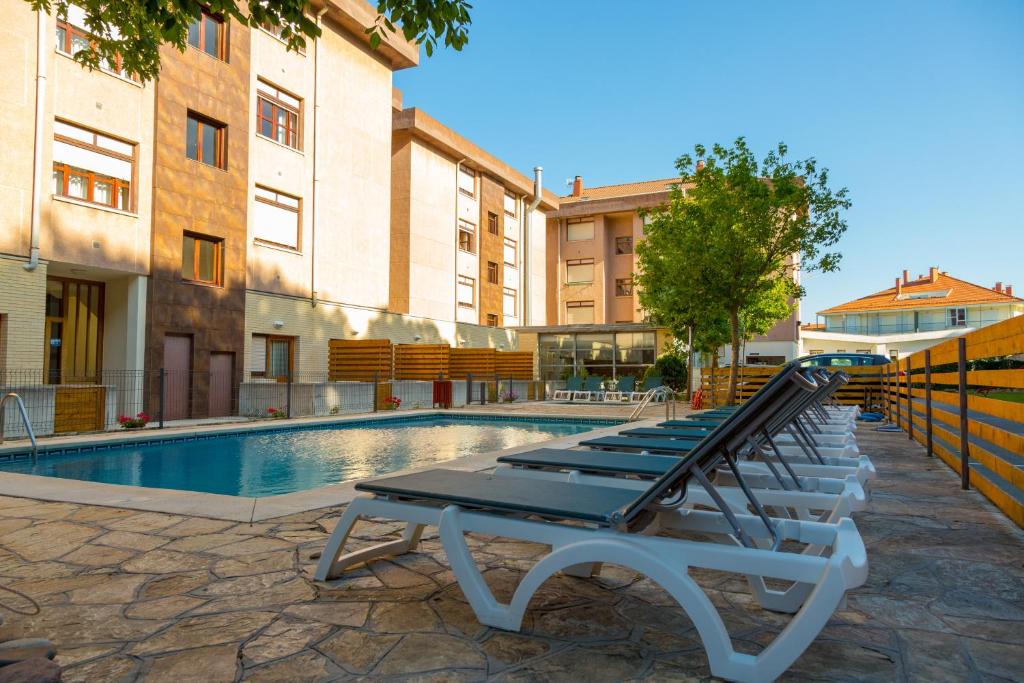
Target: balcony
877 328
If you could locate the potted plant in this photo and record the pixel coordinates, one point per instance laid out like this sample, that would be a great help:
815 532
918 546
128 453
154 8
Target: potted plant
276 413
392 403
137 422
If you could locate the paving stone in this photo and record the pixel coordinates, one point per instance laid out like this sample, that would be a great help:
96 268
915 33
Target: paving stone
112 590
393 576
296 590
251 546
74 625
418 652
93 513
49 540
283 638
217 664
164 562
243 585
214 629
997 659
69 656
246 565
336 613
35 509
144 521
13 524
509 649
357 651
98 555
305 666
113 668
403 617
39 570
458 617
162 608
189 544
196 525
611 663
585 622
934 656
257 529
174 585
130 540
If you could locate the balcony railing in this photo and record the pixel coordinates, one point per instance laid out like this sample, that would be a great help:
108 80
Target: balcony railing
874 328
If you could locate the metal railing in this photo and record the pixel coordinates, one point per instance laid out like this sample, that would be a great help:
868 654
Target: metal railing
665 393
24 418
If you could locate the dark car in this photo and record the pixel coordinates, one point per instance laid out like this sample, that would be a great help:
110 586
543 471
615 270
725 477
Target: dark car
840 360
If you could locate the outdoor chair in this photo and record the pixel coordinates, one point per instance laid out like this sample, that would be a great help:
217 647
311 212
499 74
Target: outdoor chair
592 389
624 390
588 525
572 385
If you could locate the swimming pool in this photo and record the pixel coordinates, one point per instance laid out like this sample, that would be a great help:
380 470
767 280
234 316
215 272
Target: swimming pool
272 461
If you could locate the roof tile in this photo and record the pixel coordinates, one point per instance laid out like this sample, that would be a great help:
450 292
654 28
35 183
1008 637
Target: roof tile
953 292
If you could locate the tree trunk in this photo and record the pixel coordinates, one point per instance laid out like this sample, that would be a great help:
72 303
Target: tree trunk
734 369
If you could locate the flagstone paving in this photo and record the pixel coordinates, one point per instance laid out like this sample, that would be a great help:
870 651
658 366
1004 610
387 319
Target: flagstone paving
145 596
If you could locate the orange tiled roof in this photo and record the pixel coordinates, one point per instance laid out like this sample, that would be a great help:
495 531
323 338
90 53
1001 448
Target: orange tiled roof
813 326
947 291
623 190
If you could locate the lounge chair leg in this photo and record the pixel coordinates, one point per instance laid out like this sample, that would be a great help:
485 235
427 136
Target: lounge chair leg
333 563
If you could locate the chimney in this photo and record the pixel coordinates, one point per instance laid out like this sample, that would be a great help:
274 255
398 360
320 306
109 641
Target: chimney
1009 290
999 287
899 287
577 186
906 276
700 165
933 274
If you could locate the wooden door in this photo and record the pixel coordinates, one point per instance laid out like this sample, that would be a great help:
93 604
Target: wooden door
78 409
222 383
178 380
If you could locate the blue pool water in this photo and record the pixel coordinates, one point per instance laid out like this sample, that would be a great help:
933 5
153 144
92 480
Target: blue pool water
274 461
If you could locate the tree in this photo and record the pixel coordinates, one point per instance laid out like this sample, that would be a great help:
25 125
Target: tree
134 30
729 245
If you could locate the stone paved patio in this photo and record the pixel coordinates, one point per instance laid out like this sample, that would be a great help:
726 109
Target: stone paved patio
132 595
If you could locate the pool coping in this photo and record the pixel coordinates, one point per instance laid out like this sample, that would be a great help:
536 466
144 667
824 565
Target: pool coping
250 509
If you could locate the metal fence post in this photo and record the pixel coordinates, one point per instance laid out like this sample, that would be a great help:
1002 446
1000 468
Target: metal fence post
376 388
160 401
483 393
288 395
910 405
965 452
928 402
469 388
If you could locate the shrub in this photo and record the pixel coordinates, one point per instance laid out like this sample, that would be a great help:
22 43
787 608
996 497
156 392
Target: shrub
137 422
671 367
276 413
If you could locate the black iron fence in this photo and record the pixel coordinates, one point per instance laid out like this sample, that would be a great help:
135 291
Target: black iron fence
125 399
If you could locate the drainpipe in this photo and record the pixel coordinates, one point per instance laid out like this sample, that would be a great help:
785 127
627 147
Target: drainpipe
537 190
316 170
43 41
455 290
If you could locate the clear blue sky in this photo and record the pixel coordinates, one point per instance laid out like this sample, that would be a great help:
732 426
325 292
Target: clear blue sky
916 107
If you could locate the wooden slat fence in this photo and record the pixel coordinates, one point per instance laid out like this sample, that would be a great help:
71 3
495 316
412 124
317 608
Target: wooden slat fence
864 388
421 361
476 362
939 396
514 365
358 360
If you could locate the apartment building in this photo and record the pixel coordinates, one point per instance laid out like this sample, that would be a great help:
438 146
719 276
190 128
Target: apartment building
912 315
467 239
76 228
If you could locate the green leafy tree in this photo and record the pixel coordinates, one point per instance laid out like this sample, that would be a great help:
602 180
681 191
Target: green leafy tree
134 30
728 247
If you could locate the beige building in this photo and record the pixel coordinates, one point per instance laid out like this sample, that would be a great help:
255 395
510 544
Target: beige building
912 315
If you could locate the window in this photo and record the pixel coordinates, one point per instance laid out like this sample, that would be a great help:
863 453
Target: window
510 204
201 259
492 272
815 352
757 359
860 351
579 229
92 167
623 287
467 236
510 253
492 320
579 312
272 356
465 292
278 32
278 115
894 354
492 223
208 33
276 218
73 345
467 181
204 141
578 271
72 38
957 317
508 301
623 245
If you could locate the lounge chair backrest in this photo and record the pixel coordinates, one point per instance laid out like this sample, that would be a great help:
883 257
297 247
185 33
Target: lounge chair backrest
728 437
652 383
593 383
626 384
574 383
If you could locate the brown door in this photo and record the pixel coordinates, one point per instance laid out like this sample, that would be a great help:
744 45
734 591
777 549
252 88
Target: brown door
222 374
178 380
